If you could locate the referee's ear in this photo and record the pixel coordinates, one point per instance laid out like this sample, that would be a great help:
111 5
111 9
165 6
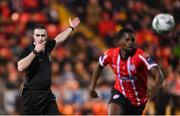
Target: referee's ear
33 35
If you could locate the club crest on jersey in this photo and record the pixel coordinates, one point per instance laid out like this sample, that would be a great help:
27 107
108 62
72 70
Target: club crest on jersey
132 67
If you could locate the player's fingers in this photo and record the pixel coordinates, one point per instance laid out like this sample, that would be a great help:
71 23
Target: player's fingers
92 94
95 95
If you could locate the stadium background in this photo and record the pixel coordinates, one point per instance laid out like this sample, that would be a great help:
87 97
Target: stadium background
74 60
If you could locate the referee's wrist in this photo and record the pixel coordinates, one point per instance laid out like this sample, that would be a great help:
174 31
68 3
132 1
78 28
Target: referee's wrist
35 52
71 28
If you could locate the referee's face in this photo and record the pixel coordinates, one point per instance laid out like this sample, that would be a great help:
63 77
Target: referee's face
40 35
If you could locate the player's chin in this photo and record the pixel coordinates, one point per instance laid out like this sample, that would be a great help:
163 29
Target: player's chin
131 49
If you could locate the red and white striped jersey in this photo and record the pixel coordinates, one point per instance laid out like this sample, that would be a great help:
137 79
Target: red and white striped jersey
130 74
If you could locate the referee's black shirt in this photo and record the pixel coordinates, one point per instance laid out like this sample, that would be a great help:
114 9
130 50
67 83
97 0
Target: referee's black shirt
38 74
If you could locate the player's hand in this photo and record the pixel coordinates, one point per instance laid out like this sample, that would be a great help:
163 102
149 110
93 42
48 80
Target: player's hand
151 93
75 22
40 46
93 93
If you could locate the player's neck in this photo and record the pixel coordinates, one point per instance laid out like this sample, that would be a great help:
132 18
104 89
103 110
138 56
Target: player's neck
125 54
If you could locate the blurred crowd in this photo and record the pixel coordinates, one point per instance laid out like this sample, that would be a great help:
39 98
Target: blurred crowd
74 60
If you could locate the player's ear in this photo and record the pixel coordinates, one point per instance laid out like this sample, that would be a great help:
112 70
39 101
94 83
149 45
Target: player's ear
119 42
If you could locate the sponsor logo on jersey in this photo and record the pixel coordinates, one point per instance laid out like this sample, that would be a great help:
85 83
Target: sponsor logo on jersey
132 67
130 78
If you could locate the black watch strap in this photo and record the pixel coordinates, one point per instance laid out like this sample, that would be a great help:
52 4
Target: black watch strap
71 28
35 52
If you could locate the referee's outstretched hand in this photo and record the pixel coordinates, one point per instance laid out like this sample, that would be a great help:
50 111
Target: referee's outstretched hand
75 22
93 94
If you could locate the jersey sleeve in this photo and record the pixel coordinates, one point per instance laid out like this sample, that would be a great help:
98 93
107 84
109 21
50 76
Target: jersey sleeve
50 45
146 60
105 58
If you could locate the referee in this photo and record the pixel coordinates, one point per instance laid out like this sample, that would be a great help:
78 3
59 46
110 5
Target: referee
35 61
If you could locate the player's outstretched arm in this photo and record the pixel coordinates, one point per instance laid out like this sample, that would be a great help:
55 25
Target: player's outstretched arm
63 35
94 78
158 77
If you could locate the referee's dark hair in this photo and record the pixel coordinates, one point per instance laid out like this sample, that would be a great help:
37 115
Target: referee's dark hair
39 26
124 30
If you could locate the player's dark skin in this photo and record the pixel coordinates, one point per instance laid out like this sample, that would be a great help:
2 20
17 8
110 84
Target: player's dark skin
128 48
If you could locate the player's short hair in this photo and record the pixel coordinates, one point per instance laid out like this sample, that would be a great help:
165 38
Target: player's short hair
39 26
124 30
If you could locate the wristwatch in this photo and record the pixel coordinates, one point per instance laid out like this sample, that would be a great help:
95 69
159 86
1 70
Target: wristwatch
71 28
35 52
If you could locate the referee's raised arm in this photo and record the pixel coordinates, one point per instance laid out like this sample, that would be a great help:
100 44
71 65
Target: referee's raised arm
63 35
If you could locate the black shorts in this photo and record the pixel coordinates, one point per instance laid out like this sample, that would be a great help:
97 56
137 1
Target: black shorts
39 102
127 107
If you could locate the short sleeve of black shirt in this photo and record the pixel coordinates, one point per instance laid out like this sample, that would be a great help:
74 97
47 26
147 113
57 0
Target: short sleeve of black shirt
24 53
50 45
